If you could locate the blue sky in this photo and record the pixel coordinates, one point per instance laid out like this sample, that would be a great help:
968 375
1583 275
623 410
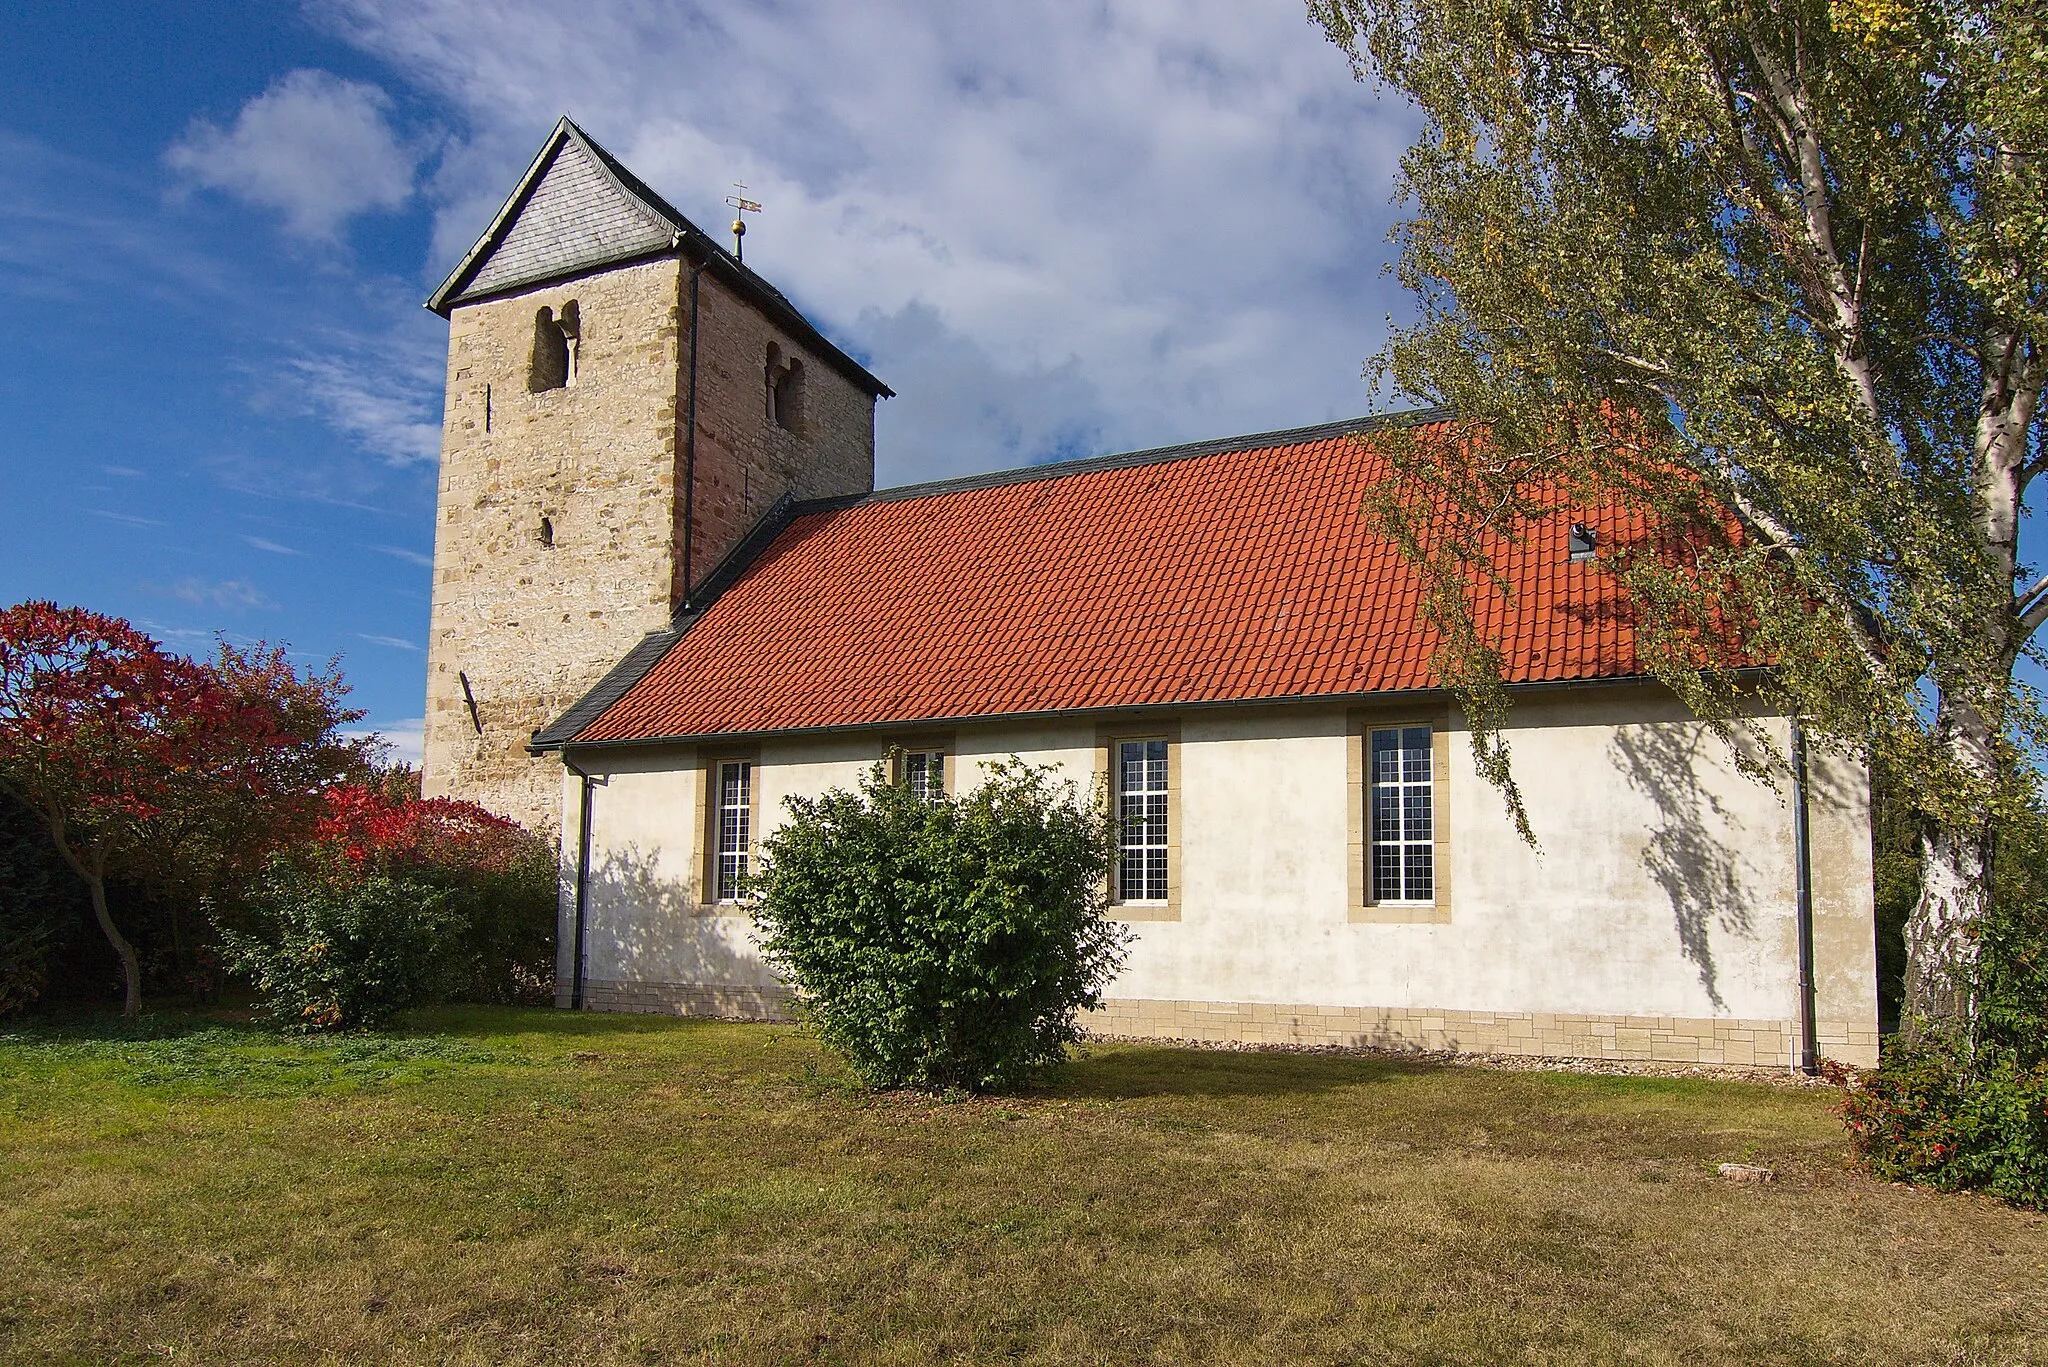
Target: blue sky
1063 231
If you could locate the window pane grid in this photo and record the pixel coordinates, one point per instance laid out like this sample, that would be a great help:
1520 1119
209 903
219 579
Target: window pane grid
924 773
1402 808
735 817
1141 815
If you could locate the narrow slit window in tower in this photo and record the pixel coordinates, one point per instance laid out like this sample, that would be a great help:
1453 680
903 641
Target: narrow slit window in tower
571 323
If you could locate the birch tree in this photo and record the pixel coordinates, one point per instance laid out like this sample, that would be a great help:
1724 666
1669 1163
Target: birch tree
1785 259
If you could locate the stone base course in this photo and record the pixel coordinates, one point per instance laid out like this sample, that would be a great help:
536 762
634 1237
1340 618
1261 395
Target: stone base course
1722 1042
682 999
1674 1039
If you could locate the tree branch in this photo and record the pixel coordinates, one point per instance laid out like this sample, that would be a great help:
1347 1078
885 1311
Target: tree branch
1785 543
1795 119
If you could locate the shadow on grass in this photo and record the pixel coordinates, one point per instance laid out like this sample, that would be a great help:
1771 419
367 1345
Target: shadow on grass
454 1021
100 1025
480 1021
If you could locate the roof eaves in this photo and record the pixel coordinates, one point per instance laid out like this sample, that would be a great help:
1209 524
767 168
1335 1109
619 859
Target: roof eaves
772 301
1153 709
652 207
443 297
644 656
659 210
521 284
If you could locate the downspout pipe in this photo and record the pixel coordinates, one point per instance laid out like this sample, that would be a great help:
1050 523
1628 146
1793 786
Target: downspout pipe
1802 855
590 782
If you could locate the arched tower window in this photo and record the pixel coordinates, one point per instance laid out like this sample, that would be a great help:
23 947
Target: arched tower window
555 341
785 389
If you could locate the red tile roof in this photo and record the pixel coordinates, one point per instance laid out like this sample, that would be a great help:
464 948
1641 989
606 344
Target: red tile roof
1244 573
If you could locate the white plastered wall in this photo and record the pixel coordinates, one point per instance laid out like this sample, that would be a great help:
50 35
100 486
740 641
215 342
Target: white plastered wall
1663 884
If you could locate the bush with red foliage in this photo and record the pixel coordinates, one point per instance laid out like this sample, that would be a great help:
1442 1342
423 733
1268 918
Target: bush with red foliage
494 877
370 827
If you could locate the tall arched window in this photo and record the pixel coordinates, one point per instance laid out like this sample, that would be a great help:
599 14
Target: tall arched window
554 348
785 389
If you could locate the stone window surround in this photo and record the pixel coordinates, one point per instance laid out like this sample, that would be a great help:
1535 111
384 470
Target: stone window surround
939 742
708 763
1106 739
1360 722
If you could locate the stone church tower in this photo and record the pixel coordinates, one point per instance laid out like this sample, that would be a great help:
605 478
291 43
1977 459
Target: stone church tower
626 400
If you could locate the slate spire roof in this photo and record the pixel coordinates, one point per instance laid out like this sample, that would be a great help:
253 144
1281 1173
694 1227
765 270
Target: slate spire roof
578 209
1233 571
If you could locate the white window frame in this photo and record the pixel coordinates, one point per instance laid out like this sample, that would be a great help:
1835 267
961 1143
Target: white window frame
916 768
1153 829
732 828
1395 795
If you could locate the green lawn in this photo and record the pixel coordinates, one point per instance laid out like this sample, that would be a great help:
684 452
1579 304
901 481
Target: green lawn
533 1187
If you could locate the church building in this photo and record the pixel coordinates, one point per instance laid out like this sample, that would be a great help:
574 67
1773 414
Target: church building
667 596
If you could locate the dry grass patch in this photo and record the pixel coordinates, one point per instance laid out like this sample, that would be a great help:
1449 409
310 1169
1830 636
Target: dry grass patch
532 1187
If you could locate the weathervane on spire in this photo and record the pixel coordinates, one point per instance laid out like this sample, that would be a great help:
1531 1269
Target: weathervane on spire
741 207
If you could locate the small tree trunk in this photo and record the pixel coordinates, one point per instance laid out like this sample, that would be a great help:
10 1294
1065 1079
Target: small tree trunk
1943 934
94 872
131 967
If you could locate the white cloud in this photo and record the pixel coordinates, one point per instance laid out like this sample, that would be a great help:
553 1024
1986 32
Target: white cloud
233 594
1108 226
410 557
403 740
973 414
313 146
372 405
395 642
377 383
274 548
125 519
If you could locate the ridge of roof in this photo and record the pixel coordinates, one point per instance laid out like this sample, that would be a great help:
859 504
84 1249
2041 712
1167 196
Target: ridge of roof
660 212
1153 455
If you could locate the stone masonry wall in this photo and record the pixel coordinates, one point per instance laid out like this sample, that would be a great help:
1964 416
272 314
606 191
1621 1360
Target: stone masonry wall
1723 1042
745 462
535 625
532 624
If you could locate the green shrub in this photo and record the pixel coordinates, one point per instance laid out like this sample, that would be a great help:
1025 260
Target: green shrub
948 942
342 953
498 880
508 920
1934 1115
1969 1112
2013 965
41 901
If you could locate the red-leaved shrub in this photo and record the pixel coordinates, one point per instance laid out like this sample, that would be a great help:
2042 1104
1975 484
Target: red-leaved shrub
335 945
